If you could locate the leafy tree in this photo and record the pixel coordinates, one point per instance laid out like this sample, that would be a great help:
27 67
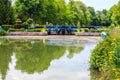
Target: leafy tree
28 9
94 20
61 13
79 13
58 12
6 12
41 11
99 18
105 19
51 10
114 14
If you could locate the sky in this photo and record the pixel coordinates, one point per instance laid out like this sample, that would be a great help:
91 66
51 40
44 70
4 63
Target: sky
99 4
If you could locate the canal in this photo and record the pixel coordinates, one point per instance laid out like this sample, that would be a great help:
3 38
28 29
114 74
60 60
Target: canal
46 59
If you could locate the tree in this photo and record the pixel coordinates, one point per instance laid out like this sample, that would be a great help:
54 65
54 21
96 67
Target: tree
41 11
6 12
29 9
79 13
94 20
105 19
61 14
114 14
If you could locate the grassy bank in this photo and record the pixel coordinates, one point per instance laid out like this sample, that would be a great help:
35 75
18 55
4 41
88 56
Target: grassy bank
105 57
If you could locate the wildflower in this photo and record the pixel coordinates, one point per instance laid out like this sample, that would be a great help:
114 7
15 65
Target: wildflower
114 70
114 39
113 52
118 79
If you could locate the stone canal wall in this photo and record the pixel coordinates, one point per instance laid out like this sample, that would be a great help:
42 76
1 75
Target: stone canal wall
26 34
45 33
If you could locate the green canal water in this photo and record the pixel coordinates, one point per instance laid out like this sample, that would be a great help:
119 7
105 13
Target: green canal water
54 59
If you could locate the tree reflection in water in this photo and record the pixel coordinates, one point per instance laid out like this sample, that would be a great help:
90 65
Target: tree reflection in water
32 55
5 56
97 75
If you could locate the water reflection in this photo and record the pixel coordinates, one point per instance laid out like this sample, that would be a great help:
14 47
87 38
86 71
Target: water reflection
37 58
67 42
5 57
95 75
32 56
98 75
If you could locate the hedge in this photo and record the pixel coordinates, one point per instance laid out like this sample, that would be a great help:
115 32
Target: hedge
6 27
25 30
2 33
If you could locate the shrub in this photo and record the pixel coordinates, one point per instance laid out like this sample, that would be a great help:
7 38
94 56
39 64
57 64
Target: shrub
105 57
6 27
24 30
34 30
16 30
19 24
86 30
26 25
99 30
29 21
2 33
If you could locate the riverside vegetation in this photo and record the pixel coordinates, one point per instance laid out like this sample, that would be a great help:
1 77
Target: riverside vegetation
105 57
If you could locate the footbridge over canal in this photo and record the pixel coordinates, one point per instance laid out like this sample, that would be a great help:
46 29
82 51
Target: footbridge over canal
66 29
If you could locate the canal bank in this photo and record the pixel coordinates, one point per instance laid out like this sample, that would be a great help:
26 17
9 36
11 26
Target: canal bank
53 37
105 58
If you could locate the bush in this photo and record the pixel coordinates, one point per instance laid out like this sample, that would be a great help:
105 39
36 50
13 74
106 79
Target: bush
86 29
16 30
29 21
26 25
106 56
6 27
19 24
23 30
34 30
2 33
98 30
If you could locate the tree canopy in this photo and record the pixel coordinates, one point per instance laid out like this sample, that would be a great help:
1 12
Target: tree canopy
6 12
114 14
57 12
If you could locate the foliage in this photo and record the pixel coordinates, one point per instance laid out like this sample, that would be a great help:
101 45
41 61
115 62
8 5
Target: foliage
99 18
2 33
19 24
28 23
35 30
6 12
98 30
57 12
24 30
6 27
53 11
114 14
79 13
86 30
105 57
16 30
